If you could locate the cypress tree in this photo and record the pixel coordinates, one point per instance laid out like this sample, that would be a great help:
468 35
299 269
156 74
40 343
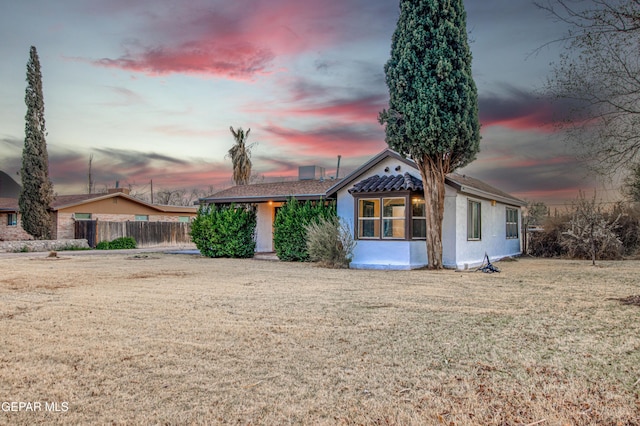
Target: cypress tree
37 190
433 107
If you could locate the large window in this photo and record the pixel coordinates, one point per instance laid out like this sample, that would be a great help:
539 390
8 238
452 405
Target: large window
397 217
12 219
474 221
512 223
393 218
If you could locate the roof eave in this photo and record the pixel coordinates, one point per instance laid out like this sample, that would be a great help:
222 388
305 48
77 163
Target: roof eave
489 196
262 198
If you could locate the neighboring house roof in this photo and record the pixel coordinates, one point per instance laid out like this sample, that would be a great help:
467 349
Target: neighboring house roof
378 183
461 183
277 191
9 205
9 188
65 201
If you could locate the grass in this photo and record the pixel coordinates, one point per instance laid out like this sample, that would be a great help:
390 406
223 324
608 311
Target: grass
172 339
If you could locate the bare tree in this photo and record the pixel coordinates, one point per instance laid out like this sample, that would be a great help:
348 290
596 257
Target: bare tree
599 75
590 231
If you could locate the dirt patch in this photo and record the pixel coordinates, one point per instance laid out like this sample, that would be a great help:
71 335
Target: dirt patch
188 340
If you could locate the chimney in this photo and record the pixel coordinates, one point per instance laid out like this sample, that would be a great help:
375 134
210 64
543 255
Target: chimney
310 173
115 190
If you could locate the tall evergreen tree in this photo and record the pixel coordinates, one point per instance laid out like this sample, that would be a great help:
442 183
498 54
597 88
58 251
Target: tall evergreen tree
433 107
37 189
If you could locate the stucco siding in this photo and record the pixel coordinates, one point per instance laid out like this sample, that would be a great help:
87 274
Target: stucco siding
493 241
388 255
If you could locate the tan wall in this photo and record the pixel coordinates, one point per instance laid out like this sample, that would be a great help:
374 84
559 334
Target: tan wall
12 233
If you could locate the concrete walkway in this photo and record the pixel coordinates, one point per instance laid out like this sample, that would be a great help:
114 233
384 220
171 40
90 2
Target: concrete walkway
93 252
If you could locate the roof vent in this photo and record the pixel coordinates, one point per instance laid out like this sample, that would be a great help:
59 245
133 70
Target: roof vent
310 173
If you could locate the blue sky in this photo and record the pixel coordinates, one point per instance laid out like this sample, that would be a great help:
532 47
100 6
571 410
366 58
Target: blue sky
150 88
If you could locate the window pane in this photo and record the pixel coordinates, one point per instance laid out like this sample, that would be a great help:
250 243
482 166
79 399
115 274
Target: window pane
369 228
393 207
473 221
419 228
183 219
393 228
418 207
142 217
369 208
12 219
82 216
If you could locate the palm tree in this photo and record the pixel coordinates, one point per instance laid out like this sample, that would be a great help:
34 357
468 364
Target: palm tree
240 155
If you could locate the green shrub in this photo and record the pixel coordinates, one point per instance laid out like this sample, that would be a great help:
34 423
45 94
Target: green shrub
289 233
102 245
225 231
330 242
117 244
123 243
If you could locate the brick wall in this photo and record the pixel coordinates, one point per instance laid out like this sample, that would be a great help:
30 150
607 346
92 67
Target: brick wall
12 233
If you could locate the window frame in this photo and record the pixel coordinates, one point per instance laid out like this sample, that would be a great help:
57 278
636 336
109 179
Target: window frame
474 221
512 225
375 218
414 218
89 216
11 216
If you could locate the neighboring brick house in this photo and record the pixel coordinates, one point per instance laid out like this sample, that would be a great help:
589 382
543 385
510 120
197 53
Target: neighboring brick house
115 206
10 227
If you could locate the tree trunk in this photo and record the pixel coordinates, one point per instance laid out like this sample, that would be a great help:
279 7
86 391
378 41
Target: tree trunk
433 174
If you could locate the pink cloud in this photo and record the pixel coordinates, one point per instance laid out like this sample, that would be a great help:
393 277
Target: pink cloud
234 41
329 141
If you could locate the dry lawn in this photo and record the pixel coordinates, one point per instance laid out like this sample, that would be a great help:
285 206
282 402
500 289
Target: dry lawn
180 339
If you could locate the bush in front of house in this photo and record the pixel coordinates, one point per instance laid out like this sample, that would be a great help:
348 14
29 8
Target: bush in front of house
330 242
289 232
121 243
225 231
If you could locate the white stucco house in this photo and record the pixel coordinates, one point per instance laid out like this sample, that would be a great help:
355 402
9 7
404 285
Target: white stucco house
383 203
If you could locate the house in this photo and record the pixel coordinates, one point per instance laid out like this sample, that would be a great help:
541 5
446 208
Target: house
383 204
114 206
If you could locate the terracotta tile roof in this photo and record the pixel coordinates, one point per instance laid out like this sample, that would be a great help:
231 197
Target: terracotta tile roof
378 183
276 191
408 182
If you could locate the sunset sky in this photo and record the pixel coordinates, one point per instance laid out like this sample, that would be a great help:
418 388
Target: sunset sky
150 88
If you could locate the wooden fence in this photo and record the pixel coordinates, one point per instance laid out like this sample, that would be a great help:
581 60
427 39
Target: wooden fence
146 234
